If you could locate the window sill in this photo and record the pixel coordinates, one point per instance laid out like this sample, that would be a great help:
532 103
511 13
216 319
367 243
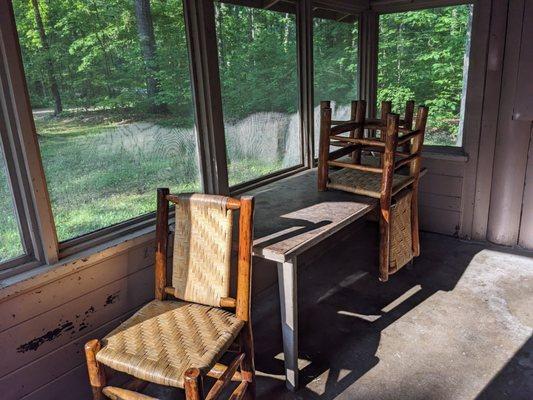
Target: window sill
447 153
30 279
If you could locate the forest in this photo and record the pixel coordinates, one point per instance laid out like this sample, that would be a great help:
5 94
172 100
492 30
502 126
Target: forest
110 89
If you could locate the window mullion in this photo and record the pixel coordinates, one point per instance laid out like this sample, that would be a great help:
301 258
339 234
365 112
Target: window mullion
30 174
203 56
369 34
304 19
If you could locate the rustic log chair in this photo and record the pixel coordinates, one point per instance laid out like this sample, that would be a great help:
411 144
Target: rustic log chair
179 342
397 192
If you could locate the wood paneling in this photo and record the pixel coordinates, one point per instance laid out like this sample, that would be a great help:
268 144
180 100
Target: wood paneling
443 202
440 221
436 166
70 386
39 336
526 225
21 308
441 184
53 365
512 142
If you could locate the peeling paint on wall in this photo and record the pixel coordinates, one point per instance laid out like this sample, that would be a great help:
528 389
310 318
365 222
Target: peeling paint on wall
34 344
64 327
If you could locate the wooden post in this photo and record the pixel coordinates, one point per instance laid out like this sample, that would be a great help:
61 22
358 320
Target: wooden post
325 129
193 384
409 112
386 108
359 132
244 270
414 170
161 243
248 365
391 141
408 120
353 113
96 370
244 279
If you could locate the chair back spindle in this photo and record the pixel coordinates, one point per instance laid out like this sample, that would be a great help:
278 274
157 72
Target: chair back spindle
201 259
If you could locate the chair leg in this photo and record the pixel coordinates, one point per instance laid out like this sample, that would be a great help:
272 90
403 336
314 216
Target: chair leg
193 384
96 370
415 233
384 245
248 365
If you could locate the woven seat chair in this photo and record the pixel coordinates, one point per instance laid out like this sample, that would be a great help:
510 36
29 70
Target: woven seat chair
178 339
394 180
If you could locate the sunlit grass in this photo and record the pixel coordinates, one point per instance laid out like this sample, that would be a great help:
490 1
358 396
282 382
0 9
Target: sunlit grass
102 171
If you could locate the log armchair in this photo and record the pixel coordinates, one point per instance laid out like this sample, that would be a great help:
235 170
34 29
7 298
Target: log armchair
178 339
393 179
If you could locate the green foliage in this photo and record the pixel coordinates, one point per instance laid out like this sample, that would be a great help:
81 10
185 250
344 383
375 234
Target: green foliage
258 61
102 156
335 53
421 57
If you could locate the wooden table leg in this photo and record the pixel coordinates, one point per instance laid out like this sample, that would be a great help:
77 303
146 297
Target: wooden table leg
288 294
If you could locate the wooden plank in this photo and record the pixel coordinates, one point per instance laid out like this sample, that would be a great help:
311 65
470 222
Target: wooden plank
292 216
388 6
523 104
72 385
431 200
53 365
526 226
512 142
38 336
43 298
489 124
474 108
443 167
442 184
436 220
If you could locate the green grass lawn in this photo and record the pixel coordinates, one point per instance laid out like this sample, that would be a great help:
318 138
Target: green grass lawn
102 171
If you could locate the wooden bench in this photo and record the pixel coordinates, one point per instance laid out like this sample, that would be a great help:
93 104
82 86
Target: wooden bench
291 216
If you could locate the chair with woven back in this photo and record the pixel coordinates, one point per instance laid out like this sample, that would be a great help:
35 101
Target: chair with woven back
178 342
393 177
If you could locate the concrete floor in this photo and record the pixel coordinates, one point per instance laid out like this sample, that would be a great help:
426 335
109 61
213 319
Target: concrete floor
456 325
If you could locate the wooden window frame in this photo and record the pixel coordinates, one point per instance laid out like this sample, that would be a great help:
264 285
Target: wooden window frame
25 166
23 160
359 16
384 7
302 10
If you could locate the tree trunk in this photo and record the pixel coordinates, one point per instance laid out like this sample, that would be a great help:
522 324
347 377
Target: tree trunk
54 89
145 29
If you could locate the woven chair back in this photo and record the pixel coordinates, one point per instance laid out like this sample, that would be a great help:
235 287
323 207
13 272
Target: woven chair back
202 249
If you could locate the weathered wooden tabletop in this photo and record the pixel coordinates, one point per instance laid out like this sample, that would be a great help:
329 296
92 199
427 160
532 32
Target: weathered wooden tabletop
291 215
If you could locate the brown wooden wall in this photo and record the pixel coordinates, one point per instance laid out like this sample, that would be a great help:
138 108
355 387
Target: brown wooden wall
440 195
42 331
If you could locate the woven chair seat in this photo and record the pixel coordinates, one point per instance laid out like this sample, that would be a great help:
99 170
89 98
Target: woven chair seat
363 183
165 338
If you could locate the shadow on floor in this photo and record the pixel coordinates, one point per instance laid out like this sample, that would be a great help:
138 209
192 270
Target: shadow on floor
340 297
509 384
